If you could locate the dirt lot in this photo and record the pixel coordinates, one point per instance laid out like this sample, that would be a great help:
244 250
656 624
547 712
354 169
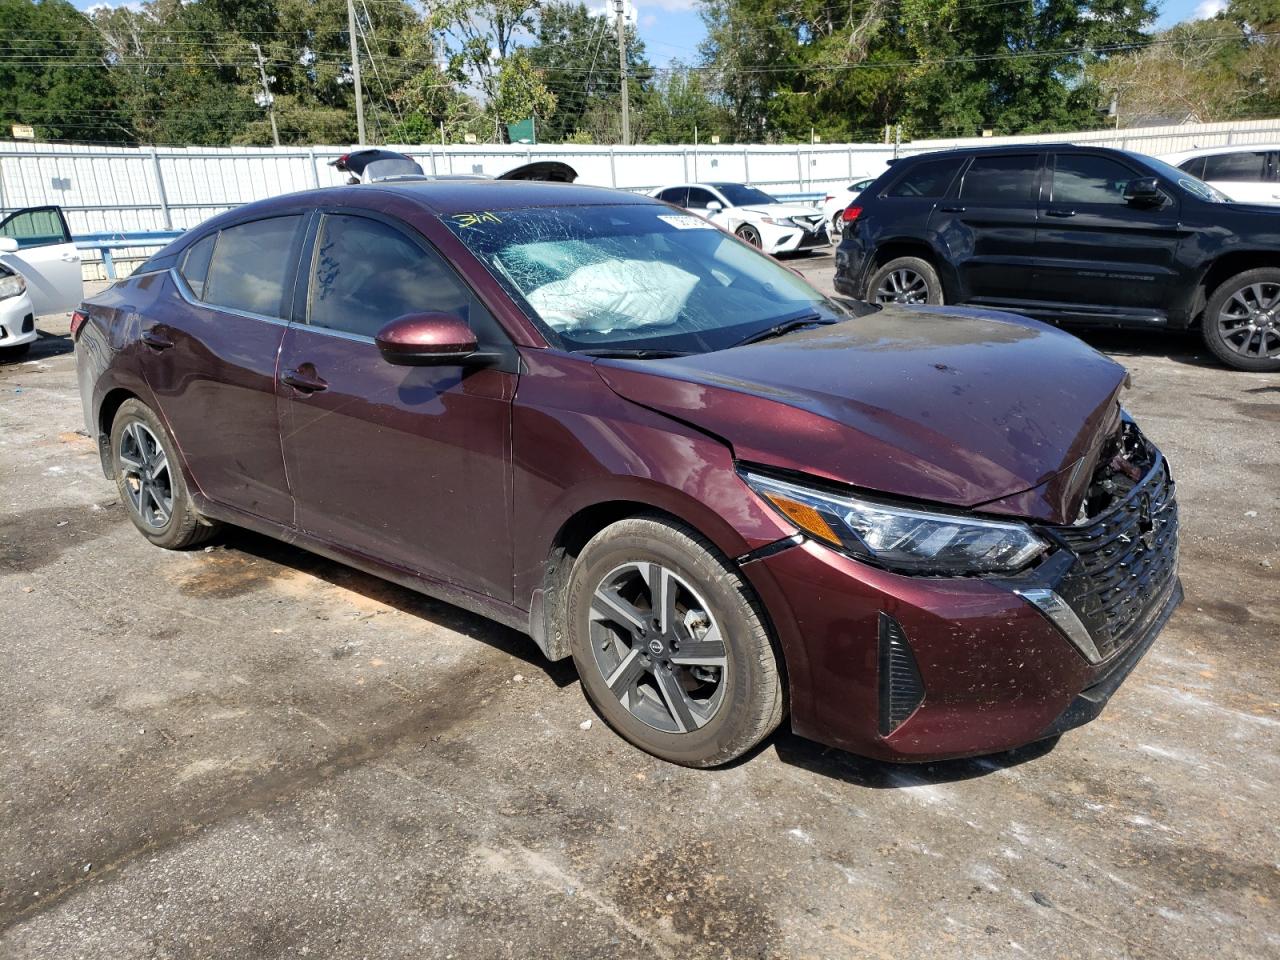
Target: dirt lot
247 751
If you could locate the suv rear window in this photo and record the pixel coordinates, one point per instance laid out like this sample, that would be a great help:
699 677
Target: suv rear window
1008 179
928 178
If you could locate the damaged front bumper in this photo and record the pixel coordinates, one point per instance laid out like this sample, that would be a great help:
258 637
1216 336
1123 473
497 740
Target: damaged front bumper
913 668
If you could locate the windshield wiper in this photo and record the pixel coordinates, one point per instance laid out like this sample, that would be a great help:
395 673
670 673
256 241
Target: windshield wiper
634 353
786 326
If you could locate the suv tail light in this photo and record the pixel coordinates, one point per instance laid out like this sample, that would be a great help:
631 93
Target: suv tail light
851 214
77 321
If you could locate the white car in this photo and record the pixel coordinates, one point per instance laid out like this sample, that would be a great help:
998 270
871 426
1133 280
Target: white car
39 274
834 206
1246 174
751 214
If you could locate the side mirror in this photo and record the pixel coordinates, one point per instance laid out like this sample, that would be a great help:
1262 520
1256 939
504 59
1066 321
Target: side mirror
8 245
1144 191
714 206
426 339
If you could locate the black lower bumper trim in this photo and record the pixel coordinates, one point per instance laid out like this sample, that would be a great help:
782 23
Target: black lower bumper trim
1090 701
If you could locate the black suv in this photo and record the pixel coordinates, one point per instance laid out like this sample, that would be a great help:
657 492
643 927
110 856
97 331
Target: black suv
1070 234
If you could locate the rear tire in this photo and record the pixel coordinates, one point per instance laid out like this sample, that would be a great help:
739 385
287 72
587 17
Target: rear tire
905 280
149 479
1241 323
694 680
751 235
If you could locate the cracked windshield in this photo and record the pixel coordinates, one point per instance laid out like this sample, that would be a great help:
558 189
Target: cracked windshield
639 278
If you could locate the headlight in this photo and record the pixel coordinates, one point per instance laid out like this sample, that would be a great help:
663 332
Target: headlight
902 538
778 221
12 286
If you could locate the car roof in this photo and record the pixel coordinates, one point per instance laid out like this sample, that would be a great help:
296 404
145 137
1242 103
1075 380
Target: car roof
448 197
1225 148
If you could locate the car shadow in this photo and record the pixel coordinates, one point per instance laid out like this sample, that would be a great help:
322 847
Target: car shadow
859 771
1181 346
45 347
427 609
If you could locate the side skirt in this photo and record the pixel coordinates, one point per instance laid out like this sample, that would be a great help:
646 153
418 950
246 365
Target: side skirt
507 614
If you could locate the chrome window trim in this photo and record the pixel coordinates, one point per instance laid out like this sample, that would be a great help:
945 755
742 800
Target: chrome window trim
186 293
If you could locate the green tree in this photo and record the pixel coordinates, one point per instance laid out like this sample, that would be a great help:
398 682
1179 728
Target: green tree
59 82
680 104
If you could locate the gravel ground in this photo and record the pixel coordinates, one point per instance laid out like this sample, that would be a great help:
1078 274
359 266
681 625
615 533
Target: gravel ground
247 751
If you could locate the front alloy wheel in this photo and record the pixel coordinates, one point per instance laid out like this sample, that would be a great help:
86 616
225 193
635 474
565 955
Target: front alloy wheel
658 647
670 643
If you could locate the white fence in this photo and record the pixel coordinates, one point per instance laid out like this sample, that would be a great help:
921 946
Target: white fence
143 189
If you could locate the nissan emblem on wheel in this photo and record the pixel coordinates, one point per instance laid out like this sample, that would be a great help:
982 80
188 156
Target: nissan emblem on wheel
914 531
1070 235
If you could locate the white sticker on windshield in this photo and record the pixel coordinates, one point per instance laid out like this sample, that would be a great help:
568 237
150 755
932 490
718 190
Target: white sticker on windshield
686 223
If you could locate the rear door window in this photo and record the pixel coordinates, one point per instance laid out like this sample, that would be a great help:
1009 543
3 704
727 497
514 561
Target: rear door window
1241 167
1007 178
1080 178
251 266
928 178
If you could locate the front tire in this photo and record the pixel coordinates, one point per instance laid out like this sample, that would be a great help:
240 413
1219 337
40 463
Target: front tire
751 235
905 280
670 644
149 479
1241 324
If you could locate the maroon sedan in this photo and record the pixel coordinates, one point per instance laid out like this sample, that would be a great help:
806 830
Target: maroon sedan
921 532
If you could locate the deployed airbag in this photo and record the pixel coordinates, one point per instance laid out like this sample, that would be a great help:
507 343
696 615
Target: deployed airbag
614 295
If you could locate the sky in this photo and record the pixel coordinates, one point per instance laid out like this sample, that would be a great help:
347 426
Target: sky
672 29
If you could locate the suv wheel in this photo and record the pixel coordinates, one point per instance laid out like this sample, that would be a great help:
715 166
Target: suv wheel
1241 323
150 481
670 646
905 280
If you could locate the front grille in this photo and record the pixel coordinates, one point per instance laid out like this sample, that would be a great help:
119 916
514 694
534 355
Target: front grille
1127 562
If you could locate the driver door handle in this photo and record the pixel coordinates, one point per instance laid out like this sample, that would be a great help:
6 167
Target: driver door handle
306 382
1059 212
952 209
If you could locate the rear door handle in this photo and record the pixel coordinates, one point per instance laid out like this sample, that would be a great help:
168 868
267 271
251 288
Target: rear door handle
952 209
155 340
306 382
1059 212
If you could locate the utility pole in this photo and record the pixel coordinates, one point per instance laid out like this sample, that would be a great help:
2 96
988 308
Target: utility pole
268 100
355 70
622 69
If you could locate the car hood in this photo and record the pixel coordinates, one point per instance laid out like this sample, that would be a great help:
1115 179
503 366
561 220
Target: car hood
959 407
778 210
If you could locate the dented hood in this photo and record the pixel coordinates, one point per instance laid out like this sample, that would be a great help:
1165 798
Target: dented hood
954 406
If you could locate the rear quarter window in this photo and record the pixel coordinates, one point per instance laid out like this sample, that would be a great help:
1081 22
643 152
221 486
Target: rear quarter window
195 263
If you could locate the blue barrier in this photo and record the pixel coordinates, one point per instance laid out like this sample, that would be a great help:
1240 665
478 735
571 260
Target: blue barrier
104 243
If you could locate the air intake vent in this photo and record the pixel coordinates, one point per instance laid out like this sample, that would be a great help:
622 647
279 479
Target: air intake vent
901 689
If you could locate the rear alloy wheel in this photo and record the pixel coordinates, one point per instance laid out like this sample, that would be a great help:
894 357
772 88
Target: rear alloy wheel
905 280
670 648
750 234
1242 321
150 481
